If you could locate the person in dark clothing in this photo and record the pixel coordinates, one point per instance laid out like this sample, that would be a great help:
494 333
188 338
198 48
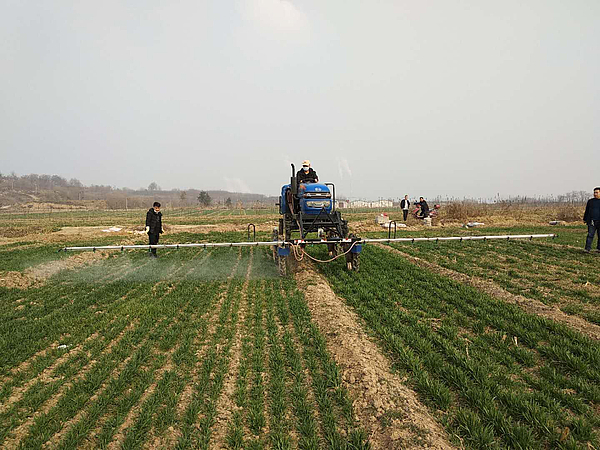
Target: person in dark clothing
405 205
592 218
424 208
154 226
307 174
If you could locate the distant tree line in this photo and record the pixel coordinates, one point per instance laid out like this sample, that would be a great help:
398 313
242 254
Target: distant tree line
15 189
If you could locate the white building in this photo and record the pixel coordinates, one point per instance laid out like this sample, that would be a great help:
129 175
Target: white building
371 204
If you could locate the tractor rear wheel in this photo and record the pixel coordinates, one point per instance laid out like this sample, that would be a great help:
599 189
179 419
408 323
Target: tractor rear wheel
345 229
287 229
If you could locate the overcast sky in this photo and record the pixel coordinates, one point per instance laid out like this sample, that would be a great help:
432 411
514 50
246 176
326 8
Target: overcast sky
457 98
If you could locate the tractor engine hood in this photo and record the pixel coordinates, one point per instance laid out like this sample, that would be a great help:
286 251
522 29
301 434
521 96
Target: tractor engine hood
314 191
315 198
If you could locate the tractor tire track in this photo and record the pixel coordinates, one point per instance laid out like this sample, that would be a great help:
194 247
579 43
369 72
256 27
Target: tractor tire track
366 373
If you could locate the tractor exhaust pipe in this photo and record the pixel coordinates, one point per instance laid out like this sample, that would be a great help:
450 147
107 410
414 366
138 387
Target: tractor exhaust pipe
293 182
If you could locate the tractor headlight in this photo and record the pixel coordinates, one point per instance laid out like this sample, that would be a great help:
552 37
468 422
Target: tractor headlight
318 203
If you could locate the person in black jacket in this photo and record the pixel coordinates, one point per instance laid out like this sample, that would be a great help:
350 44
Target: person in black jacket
154 226
424 208
307 174
592 218
405 205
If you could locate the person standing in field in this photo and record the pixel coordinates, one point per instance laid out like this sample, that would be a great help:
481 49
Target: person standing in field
592 218
154 227
405 204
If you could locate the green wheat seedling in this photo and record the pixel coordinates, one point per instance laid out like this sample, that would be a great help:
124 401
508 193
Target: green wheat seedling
44 329
235 430
462 349
306 423
279 429
256 414
210 379
81 310
115 400
116 293
534 269
154 336
92 372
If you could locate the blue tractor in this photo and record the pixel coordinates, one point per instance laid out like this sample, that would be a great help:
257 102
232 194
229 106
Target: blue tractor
310 208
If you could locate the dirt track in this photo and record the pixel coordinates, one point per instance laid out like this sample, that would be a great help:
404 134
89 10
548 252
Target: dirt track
390 412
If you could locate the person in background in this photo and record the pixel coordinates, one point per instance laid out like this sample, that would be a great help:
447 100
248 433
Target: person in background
405 204
592 218
154 227
424 208
307 174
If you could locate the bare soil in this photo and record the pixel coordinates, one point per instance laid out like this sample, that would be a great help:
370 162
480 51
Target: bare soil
489 287
390 412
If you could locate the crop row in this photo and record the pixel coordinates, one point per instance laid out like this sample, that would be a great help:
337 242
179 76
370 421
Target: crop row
501 377
288 390
127 331
536 270
135 352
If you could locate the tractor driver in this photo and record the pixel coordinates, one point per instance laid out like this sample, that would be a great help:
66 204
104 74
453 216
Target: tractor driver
307 174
